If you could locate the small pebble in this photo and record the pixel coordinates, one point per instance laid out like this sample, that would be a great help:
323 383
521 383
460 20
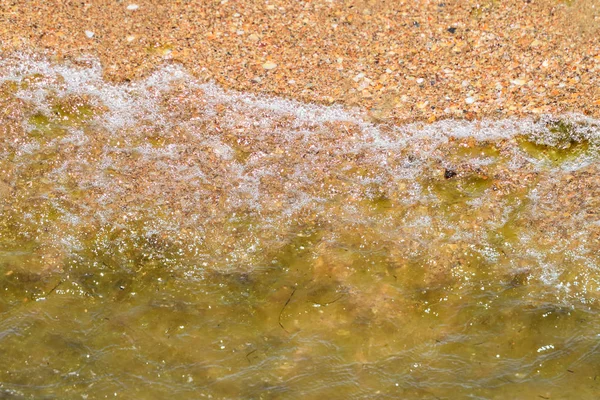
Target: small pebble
269 65
133 7
89 34
420 80
536 43
358 77
470 100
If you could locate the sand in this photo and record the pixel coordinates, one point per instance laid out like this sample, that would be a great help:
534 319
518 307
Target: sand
397 60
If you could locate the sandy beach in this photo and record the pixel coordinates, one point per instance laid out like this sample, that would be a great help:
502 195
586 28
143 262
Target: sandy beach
331 199
397 60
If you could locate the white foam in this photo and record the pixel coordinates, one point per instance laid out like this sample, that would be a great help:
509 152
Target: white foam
309 140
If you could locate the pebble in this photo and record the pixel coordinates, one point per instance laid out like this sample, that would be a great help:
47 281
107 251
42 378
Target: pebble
358 77
269 65
89 34
470 100
133 7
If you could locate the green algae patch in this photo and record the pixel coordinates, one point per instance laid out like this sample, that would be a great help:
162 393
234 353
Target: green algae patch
8 89
510 232
45 127
156 141
454 191
515 225
32 80
298 248
562 143
376 200
571 150
64 114
73 114
468 151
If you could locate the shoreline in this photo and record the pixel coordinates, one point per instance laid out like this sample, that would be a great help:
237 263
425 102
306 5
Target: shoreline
396 62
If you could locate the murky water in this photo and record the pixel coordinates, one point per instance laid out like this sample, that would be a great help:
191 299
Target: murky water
168 238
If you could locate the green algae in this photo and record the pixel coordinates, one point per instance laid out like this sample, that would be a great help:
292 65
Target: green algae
8 89
32 79
64 114
513 228
73 114
378 201
45 128
156 141
453 193
560 145
469 151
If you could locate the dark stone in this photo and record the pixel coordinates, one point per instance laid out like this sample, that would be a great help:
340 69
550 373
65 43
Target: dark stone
448 173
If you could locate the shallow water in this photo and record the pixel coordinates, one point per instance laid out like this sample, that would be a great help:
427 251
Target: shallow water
168 238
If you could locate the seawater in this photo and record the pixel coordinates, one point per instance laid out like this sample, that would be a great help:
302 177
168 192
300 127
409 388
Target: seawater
167 237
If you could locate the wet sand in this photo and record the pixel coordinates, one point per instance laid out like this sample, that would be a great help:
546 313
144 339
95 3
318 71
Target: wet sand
397 60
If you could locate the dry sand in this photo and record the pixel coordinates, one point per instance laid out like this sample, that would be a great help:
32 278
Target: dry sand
398 60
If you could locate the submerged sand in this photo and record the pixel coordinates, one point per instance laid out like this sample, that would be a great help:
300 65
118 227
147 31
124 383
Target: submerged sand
399 60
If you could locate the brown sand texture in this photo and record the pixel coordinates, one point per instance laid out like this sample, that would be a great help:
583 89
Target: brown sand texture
396 60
